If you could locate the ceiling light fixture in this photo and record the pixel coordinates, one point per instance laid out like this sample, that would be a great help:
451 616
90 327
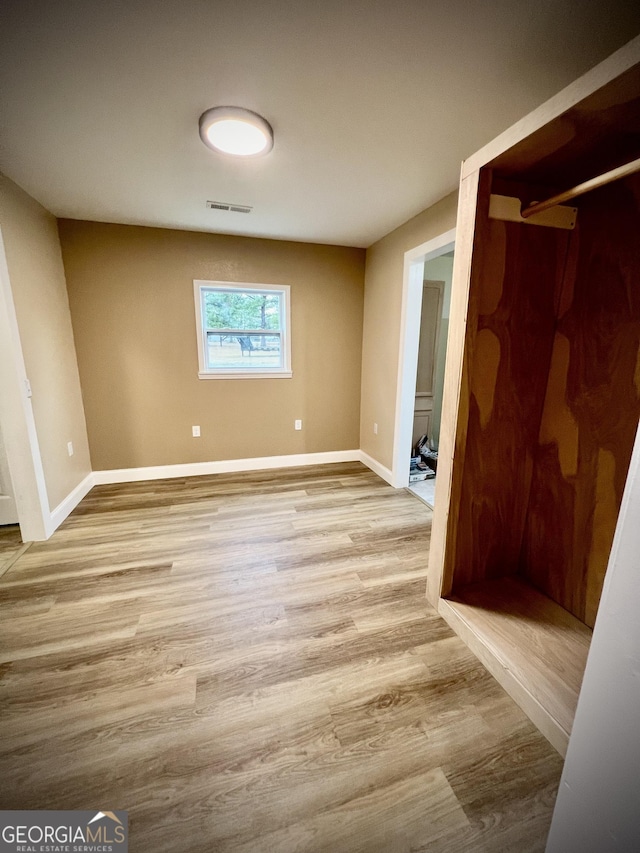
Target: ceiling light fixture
234 130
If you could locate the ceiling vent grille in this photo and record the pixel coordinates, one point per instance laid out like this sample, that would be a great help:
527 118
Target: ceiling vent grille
232 208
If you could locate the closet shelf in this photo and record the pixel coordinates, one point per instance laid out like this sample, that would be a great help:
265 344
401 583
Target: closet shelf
529 641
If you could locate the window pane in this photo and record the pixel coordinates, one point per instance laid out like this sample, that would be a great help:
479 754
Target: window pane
242 330
242 310
243 351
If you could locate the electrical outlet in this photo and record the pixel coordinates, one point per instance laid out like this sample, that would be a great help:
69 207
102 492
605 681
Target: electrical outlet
195 431
70 448
375 429
298 424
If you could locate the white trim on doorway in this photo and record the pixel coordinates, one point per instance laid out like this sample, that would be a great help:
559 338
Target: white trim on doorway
414 261
17 421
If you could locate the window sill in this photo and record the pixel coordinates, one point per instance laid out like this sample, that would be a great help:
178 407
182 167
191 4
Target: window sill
244 374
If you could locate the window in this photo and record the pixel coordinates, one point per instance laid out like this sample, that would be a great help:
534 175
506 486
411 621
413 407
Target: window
243 330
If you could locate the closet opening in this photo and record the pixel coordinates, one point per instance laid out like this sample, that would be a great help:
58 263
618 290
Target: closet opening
542 432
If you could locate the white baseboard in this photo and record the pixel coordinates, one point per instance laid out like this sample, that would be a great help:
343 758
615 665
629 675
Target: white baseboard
194 469
71 501
224 466
376 467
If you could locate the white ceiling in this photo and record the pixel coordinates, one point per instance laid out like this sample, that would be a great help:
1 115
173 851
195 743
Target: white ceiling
373 104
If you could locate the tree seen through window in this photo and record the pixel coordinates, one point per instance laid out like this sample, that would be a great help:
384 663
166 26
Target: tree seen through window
243 328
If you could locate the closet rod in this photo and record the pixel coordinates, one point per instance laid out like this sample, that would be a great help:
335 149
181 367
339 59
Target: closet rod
592 184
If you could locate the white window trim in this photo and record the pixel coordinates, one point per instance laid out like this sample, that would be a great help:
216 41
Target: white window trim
285 372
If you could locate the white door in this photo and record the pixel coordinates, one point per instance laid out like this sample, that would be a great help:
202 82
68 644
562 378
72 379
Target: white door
431 316
8 510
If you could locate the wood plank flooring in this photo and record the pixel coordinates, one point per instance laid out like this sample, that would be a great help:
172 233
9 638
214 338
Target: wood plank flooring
248 663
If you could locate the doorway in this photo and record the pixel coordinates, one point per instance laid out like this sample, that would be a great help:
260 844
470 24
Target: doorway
432 348
8 508
417 270
433 293
17 424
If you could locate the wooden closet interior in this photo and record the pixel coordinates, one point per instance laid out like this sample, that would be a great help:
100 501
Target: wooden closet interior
542 391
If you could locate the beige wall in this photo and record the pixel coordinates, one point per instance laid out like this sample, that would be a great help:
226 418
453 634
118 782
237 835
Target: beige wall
42 309
131 295
381 335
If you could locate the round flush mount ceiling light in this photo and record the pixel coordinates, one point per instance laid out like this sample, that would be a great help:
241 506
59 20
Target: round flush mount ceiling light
234 130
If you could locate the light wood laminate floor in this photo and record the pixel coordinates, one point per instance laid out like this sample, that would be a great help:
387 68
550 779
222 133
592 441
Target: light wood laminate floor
248 663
